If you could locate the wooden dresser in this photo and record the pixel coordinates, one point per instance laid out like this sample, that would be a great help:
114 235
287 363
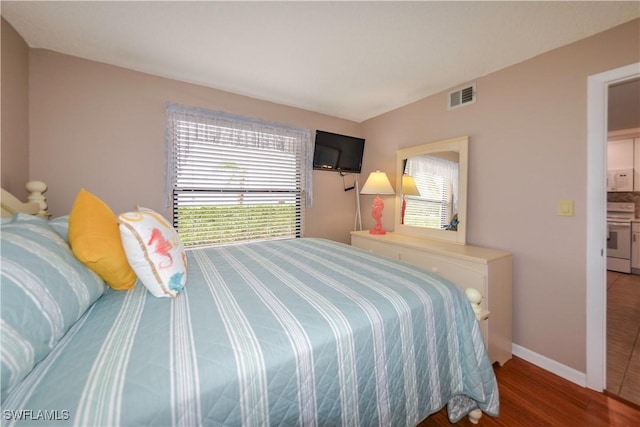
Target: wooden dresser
487 270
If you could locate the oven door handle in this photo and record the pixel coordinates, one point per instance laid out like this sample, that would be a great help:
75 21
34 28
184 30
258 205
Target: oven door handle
619 224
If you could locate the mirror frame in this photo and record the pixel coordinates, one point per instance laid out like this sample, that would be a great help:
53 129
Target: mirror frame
459 144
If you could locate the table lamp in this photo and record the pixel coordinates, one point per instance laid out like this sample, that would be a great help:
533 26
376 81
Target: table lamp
409 188
377 183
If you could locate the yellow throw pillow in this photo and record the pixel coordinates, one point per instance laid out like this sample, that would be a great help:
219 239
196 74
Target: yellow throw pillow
94 238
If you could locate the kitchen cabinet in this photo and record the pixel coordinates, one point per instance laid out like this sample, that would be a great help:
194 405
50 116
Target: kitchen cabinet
487 270
621 163
620 154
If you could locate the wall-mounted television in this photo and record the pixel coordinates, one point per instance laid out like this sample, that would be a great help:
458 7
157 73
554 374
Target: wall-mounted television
335 152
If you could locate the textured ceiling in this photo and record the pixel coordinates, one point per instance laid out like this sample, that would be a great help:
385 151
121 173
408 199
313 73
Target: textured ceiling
353 60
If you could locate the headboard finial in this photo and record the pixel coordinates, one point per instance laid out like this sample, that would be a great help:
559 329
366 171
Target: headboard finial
36 191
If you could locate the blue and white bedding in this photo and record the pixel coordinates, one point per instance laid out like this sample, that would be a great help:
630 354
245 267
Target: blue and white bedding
292 332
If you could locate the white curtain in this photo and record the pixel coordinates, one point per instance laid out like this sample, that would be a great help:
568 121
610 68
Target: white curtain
228 129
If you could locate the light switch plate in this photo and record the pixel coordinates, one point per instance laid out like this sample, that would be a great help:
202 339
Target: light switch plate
565 207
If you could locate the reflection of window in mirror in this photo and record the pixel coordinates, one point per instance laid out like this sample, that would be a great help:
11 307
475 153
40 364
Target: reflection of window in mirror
436 177
439 170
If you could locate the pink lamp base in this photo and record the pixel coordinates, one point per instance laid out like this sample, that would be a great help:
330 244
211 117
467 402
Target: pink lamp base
376 213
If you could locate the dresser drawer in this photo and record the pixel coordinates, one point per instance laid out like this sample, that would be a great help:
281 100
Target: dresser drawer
380 248
463 273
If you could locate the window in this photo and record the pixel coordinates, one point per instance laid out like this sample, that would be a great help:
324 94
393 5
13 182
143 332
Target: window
233 179
435 179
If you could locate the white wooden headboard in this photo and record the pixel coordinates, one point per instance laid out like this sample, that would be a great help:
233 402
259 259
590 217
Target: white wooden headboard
37 204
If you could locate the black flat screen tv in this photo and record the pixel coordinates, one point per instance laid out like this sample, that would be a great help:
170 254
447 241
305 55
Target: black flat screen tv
340 153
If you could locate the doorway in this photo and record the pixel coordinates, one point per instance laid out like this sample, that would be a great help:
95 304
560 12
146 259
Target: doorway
597 98
623 290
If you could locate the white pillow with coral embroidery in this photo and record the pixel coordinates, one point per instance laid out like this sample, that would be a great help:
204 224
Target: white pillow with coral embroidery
154 251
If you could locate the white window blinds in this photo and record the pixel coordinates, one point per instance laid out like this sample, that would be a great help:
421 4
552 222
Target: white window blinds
233 179
435 179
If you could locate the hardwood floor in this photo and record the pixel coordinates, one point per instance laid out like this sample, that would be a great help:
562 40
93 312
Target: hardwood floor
532 396
623 336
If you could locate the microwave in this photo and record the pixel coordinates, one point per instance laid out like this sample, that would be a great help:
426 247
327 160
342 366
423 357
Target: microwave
620 180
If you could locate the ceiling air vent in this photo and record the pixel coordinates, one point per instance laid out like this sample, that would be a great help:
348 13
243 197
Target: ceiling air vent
462 96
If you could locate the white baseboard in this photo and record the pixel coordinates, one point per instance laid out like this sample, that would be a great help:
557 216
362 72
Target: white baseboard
550 365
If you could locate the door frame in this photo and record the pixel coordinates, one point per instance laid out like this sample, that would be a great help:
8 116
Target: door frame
596 310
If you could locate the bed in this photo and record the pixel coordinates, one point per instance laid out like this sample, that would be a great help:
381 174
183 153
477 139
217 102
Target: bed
290 332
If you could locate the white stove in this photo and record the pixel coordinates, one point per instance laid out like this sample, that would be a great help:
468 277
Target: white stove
619 216
623 211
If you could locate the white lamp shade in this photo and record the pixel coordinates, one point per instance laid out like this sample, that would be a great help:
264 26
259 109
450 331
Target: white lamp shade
409 187
377 183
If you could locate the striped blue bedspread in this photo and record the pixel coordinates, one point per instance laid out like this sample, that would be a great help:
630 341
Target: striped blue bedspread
302 332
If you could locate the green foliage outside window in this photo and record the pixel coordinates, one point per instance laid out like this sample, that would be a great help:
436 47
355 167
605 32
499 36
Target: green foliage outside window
212 225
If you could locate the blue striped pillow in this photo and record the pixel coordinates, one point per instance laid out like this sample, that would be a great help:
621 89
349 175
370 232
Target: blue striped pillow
44 290
61 225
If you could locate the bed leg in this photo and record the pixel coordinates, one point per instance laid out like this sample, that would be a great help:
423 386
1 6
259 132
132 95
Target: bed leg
475 415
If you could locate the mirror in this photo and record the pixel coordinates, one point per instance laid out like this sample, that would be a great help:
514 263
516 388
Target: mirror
432 197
